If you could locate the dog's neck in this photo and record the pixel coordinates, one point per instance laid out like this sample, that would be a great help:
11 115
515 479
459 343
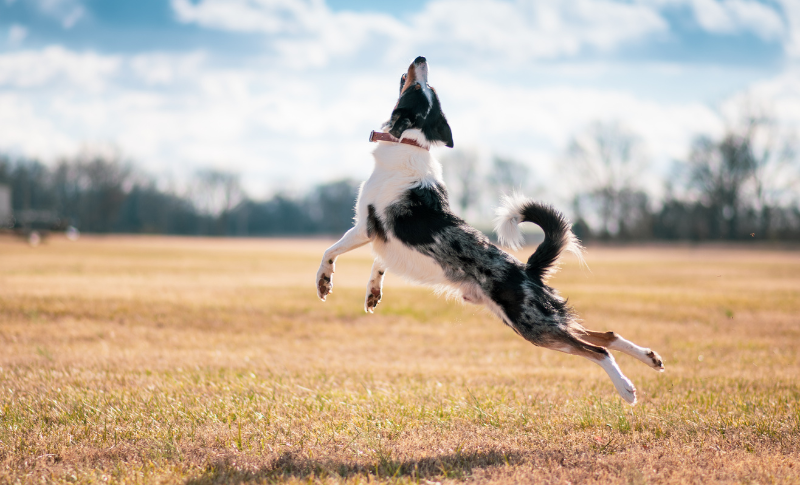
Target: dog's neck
375 137
416 135
409 163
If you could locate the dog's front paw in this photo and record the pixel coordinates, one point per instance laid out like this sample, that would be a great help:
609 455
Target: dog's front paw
373 298
324 287
324 281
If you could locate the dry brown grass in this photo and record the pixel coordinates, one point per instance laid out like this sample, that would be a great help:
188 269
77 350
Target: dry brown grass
168 360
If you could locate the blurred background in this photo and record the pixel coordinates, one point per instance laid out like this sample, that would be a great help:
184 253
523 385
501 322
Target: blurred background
642 119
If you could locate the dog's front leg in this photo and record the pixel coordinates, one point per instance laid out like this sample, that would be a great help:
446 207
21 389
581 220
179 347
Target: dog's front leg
375 285
352 239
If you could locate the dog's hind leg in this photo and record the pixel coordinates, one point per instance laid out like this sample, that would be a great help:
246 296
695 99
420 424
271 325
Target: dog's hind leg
600 356
352 239
613 341
375 285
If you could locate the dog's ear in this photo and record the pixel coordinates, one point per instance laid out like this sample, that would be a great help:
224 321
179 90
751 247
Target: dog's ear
436 127
402 82
445 134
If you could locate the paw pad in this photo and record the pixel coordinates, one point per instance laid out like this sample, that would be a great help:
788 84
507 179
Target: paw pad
658 364
373 298
324 286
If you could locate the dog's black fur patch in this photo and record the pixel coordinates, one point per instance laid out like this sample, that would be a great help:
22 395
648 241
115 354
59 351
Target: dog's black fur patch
422 220
421 217
374 225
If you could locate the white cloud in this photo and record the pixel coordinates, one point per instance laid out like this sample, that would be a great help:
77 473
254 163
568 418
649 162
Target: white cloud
526 30
56 65
68 12
307 32
159 69
282 127
779 95
173 110
374 36
279 127
16 34
535 125
512 31
732 16
24 131
791 9
267 16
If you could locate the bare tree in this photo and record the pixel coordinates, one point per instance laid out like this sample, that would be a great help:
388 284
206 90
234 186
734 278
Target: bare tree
720 171
332 205
461 174
748 175
775 171
509 175
607 161
91 188
215 192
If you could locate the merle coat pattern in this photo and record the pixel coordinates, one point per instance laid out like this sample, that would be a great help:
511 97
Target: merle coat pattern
403 210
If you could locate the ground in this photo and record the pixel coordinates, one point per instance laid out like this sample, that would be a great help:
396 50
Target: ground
201 361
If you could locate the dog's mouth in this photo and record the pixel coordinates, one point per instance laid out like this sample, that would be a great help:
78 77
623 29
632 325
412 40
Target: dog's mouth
417 75
421 69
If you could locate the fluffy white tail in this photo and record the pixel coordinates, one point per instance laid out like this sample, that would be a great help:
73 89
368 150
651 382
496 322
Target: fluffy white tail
558 235
508 217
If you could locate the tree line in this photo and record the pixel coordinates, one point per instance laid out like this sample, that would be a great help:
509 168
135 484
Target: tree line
101 193
742 186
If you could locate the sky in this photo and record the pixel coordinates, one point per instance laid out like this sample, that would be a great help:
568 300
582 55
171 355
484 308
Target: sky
285 92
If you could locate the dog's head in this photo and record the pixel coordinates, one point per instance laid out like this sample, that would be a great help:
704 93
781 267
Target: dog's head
418 107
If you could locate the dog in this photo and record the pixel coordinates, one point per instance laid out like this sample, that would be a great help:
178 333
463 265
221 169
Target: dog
403 210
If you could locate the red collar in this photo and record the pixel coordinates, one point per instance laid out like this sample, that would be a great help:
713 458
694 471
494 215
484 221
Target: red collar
375 136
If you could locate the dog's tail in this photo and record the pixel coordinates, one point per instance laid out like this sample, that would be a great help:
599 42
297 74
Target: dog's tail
558 235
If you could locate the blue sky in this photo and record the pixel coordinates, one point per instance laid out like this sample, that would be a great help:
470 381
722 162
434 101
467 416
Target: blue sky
286 91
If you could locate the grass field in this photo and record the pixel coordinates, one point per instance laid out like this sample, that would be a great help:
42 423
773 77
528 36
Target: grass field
199 361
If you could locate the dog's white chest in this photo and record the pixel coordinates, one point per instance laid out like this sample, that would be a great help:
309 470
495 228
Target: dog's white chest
399 168
409 263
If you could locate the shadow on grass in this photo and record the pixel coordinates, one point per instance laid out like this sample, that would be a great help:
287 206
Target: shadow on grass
453 465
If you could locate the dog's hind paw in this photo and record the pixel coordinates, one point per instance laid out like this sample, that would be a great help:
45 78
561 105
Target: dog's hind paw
373 298
627 391
655 360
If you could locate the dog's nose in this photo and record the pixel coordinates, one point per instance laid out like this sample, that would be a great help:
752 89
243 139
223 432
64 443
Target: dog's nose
419 60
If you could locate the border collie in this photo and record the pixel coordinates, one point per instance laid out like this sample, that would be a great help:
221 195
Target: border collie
403 211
